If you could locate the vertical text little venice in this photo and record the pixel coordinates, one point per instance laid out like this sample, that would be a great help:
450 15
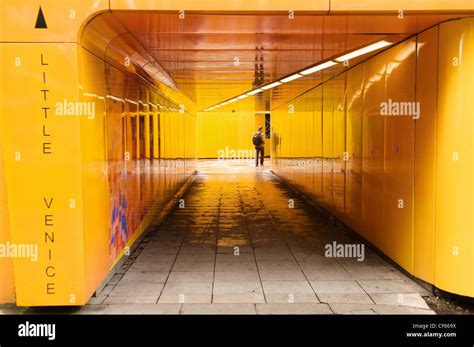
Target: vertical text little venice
48 215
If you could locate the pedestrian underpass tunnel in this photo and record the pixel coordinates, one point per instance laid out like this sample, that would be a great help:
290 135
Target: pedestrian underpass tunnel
366 110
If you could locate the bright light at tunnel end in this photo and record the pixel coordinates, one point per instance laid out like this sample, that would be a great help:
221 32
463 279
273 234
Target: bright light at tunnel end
313 69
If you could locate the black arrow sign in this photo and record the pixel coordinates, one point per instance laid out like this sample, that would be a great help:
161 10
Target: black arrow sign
40 21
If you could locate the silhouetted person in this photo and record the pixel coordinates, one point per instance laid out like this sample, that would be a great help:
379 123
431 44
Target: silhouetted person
259 142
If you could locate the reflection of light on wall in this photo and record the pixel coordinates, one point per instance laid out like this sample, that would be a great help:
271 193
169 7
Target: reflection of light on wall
114 98
93 95
356 95
131 102
404 54
387 69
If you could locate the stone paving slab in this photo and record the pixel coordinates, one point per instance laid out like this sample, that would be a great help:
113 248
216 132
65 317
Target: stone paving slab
248 298
237 288
185 298
295 308
282 275
190 276
386 286
194 267
236 266
218 309
137 288
145 299
287 287
379 309
331 287
291 298
144 277
345 298
142 309
236 276
411 299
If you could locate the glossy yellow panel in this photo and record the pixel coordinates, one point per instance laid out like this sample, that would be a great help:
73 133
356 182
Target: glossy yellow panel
296 145
7 289
425 155
355 104
328 143
400 72
454 159
215 5
339 145
43 171
317 95
405 5
373 150
95 190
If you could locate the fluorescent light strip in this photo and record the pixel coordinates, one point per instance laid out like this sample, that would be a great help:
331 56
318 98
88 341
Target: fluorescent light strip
271 85
311 70
291 78
255 91
318 67
363 50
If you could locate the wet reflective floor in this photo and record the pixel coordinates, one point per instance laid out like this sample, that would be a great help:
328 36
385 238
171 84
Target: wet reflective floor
241 242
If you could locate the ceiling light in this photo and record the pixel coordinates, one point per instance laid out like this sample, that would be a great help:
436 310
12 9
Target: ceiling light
318 67
255 91
243 96
269 86
233 100
367 49
291 78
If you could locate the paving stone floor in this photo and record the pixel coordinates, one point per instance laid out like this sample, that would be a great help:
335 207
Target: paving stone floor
237 248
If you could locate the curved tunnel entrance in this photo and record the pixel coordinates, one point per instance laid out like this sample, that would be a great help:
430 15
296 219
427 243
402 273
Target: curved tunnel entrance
357 111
